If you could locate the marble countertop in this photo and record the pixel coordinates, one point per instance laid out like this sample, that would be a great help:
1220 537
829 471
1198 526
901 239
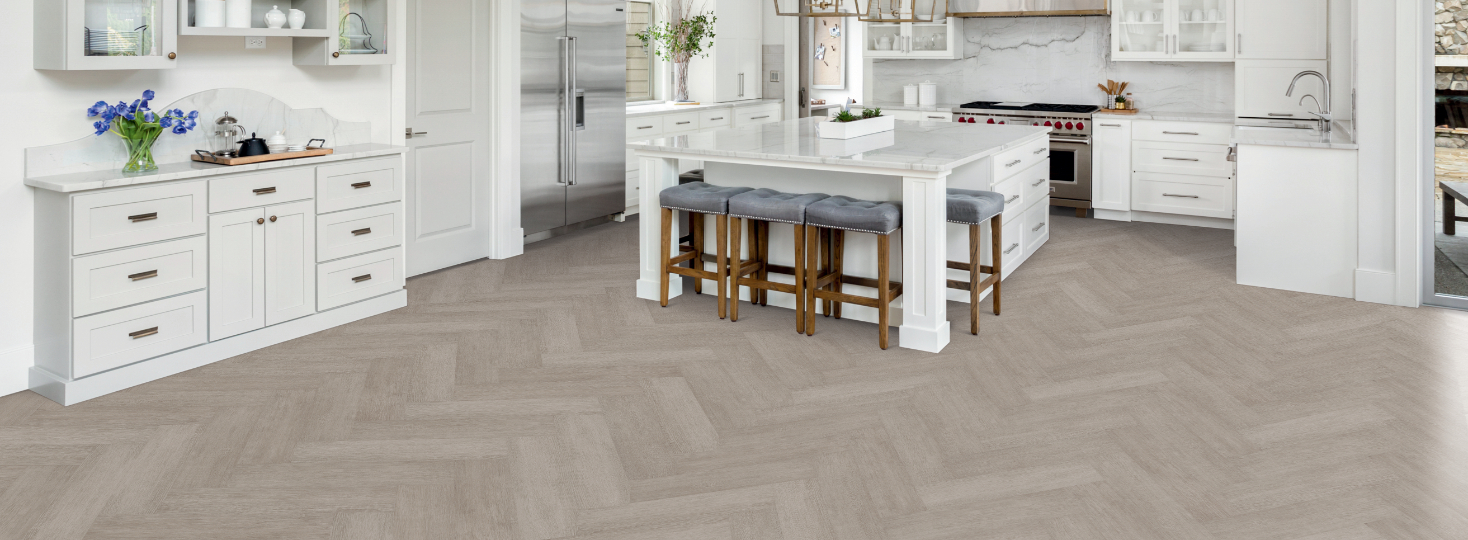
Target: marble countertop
167 172
1174 116
914 146
634 111
1341 137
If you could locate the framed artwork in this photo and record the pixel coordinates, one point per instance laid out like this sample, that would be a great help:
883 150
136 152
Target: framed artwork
828 63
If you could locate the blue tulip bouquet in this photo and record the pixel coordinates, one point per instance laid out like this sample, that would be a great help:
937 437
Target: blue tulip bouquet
139 126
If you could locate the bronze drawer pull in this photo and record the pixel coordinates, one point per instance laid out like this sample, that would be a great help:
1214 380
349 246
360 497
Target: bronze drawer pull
716 118
360 232
760 117
361 278
360 185
143 275
682 123
144 217
144 333
264 190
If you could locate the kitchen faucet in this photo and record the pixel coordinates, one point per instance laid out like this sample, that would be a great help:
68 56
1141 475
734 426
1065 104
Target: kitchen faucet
1324 113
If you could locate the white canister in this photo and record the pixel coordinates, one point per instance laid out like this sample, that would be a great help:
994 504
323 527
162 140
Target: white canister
927 94
910 94
237 13
208 13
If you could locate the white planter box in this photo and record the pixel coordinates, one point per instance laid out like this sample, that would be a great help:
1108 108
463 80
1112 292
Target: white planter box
852 130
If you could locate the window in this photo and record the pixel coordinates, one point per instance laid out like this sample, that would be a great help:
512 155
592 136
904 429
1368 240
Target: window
639 59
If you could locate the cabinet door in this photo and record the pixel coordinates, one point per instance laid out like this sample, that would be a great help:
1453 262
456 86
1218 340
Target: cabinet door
726 69
1140 29
1260 85
106 34
882 40
1270 29
1203 30
934 40
290 261
1111 165
236 273
750 66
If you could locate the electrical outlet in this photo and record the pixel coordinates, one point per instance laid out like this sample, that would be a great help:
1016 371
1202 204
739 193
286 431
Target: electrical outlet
774 75
255 42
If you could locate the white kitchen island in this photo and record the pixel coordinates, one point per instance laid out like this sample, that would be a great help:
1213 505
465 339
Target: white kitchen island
914 164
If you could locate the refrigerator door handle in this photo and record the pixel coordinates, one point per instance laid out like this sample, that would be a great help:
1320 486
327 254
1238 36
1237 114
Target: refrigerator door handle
575 102
563 136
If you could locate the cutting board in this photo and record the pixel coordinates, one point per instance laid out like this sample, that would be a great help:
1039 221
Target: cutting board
309 152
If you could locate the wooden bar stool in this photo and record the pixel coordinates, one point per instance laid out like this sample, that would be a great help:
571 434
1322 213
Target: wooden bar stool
841 214
761 207
973 208
698 199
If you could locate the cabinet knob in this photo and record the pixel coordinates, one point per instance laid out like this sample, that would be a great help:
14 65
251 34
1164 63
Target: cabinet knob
272 219
260 221
172 56
336 55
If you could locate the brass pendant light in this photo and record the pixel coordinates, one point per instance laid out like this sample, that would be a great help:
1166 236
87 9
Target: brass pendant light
902 11
818 8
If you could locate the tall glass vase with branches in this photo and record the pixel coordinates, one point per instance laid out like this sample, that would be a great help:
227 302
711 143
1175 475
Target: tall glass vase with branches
683 33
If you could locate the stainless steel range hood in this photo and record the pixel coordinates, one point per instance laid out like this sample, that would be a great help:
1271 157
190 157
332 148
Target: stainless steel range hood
1026 8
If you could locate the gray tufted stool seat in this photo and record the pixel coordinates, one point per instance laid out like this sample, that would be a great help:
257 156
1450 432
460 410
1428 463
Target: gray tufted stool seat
832 218
698 199
761 207
974 208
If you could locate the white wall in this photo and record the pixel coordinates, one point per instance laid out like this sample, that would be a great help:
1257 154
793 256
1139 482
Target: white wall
855 65
47 107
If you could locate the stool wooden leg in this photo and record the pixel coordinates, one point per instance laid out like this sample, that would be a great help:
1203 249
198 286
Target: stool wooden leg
666 247
974 278
696 223
838 256
736 229
826 248
884 293
800 279
812 273
764 257
722 232
996 226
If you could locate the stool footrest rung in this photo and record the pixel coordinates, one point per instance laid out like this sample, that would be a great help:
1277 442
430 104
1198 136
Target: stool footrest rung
682 258
693 273
983 269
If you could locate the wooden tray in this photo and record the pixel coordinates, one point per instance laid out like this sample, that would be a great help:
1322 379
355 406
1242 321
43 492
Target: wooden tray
308 152
1118 111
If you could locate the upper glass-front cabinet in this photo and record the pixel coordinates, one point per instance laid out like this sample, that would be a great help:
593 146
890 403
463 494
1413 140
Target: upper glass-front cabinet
359 35
941 40
106 34
1176 30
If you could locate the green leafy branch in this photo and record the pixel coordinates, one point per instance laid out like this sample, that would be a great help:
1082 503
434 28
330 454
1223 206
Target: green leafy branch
681 40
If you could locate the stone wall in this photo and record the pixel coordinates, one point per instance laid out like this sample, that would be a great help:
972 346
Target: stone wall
1452 27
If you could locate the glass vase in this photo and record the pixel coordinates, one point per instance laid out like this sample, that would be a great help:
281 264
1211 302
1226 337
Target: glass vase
680 81
140 154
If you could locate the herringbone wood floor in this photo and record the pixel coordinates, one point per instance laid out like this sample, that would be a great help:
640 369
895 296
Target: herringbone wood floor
1130 391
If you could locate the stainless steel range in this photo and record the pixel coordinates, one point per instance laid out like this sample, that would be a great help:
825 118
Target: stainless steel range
1070 143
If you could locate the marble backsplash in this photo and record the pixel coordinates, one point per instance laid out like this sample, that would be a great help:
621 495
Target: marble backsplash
257 112
1055 60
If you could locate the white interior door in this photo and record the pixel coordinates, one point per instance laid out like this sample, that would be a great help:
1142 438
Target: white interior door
236 273
448 108
290 261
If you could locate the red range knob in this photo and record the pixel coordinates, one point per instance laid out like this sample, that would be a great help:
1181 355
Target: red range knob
1080 125
1001 122
971 120
1035 123
1047 123
991 120
1069 125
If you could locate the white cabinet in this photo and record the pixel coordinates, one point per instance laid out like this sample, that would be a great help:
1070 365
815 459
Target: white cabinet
1172 30
358 33
936 40
105 34
731 72
1260 85
237 282
1275 30
1111 166
1182 169
915 116
290 273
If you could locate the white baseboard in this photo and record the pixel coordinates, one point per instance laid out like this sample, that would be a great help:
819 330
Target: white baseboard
71 392
15 364
1376 287
1179 219
1112 215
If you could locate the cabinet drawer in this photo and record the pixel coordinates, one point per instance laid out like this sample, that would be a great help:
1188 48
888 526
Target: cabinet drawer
358 231
1036 182
716 119
756 115
680 123
358 184
128 217
118 338
1012 239
359 278
1016 160
1183 132
644 127
1036 225
264 189
1014 200
1179 194
136 275
1180 158
933 116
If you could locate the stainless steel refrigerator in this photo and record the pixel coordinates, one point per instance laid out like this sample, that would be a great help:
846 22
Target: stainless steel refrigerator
573 103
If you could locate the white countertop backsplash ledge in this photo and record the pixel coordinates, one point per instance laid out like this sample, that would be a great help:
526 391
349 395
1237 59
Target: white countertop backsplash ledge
914 146
185 170
256 112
